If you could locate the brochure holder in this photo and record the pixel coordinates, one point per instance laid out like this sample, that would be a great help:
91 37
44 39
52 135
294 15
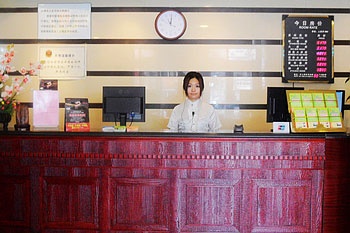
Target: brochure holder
314 111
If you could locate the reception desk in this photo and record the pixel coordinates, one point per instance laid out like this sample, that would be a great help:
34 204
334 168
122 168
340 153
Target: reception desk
164 182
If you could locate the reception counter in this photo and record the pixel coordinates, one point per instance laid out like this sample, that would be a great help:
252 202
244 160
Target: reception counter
167 182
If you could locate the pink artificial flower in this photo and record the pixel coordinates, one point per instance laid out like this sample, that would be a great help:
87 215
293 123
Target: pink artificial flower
7 92
26 79
23 71
17 88
17 80
31 71
5 77
8 68
34 68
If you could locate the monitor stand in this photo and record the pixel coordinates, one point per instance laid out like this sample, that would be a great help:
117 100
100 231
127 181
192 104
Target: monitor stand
117 128
123 119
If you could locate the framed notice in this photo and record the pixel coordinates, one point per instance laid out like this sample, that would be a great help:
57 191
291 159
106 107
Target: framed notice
63 61
308 49
64 21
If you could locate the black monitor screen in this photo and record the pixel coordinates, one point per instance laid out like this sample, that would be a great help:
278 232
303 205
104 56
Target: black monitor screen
121 104
277 106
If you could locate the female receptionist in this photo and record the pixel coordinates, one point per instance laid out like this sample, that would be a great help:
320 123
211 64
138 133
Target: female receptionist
194 115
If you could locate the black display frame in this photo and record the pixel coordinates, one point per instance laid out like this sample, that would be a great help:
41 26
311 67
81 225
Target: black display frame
308 48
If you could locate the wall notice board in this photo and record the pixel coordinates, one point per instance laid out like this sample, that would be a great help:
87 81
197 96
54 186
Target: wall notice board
308 43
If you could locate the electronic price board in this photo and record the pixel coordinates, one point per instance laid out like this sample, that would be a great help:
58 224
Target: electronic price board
308 46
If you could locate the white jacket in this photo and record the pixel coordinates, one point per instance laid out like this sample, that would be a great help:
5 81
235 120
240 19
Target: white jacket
197 116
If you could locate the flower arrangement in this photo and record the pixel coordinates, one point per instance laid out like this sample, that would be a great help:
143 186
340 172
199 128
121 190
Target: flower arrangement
10 87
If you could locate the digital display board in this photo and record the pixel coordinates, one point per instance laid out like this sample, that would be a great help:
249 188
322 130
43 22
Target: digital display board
308 48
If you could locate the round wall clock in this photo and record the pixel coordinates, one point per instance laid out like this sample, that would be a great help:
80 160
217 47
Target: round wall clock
170 24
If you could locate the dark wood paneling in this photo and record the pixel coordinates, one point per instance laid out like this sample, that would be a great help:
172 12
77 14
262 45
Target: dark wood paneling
15 208
210 204
15 201
70 198
281 201
167 184
337 185
140 204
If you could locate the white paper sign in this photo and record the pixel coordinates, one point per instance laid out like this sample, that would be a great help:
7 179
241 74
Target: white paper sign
66 61
46 108
64 21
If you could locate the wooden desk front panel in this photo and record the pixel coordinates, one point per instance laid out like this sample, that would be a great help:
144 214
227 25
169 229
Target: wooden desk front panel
139 184
337 186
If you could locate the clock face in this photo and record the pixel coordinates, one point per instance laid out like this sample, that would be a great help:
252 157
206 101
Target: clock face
170 24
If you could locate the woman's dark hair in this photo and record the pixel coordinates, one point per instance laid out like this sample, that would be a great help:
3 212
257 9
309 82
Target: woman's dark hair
191 75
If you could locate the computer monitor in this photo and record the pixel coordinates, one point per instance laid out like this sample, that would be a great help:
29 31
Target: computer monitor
341 100
122 104
277 106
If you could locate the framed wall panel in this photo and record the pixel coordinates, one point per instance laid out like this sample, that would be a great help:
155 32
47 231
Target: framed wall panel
308 48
